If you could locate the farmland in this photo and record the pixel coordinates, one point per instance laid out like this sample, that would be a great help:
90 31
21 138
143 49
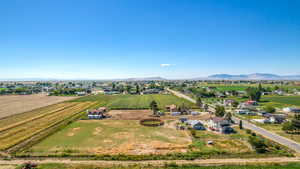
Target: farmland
14 104
113 137
282 101
134 101
20 127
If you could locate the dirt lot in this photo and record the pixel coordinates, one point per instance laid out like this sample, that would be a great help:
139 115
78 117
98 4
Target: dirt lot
129 114
14 104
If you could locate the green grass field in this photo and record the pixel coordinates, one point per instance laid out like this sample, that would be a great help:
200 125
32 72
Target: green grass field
112 137
282 101
134 101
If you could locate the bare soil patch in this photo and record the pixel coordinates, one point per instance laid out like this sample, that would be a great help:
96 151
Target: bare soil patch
15 104
130 114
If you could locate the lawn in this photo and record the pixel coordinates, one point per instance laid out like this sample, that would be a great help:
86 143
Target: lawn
113 137
135 101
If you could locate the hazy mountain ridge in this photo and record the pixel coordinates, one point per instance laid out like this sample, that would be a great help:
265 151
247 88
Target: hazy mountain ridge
254 76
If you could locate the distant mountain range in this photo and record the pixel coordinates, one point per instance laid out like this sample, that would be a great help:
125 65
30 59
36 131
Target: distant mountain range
255 76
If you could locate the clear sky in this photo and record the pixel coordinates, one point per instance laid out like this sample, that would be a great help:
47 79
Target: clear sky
139 38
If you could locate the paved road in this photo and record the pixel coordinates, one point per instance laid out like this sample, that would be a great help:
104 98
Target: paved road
270 135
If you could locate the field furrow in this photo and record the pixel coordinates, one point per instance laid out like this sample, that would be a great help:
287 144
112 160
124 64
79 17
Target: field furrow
19 133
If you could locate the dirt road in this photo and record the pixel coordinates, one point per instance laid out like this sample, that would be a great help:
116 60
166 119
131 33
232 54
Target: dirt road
233 161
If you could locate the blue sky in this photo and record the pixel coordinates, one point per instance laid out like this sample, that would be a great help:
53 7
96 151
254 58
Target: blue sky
133 38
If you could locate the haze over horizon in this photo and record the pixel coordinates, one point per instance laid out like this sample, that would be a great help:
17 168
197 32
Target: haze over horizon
131 38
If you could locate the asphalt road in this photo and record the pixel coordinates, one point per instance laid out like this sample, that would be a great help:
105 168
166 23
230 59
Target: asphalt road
270 135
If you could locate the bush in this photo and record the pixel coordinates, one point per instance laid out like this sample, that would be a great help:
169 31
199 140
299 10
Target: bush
259 144
269 109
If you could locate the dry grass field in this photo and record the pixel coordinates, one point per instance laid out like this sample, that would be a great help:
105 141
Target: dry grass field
19 127
130 114
14 104
120 135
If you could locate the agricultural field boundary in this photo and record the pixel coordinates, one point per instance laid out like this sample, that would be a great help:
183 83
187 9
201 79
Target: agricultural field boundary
39 135
34 118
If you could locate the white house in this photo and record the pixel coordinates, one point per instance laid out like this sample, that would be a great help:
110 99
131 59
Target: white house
291 110
217 123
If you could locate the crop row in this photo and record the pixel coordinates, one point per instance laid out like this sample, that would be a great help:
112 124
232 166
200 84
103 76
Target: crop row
22 132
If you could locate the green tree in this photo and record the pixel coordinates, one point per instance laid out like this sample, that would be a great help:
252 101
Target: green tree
269 109
241 124
228 117
199 102
253 93
220 111
154 107
128 88
137 89
235 104
259 144
206 107
260 88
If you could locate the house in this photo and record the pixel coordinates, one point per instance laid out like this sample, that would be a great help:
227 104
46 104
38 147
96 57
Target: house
195 124
98 113
195 113
183 119
266 93
275 119
228 102
251 103
279 92
217 123
291 110
83 93
151 91
175 113
171 108
242 111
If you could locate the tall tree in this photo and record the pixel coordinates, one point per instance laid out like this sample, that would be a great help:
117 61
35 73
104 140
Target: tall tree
154 107
241 124
137 89
260 88
199 102
253 93
228 117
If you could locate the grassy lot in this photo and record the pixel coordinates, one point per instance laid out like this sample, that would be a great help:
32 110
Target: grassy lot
230 144
134 101
169 166
15 129
113 137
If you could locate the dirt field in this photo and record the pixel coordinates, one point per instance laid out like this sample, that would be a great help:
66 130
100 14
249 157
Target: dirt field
14 104
130 114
